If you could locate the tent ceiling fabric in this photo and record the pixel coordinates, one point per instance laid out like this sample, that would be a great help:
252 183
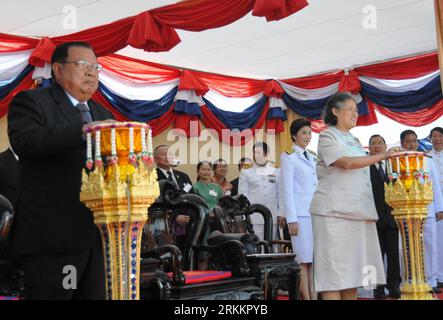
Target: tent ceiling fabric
45 17
324 36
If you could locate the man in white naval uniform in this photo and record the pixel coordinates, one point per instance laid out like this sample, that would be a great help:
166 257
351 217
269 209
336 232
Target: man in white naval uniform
437 158
259 183
409 142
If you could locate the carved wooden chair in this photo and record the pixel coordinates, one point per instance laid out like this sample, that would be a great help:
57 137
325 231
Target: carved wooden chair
273 271
11 277
169 272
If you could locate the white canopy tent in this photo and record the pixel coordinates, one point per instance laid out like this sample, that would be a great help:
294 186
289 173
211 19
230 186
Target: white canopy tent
324 36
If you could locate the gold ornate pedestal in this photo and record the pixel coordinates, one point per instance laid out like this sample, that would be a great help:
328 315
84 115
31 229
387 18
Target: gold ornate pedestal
119 195
409 196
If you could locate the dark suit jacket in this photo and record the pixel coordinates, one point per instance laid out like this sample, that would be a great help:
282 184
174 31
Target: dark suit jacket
385 218
234 190
181 178
9 177
45 131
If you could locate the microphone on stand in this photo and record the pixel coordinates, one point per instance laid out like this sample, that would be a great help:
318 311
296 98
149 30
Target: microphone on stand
175 162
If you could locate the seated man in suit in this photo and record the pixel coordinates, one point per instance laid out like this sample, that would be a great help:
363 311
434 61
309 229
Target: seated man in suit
182 182
53 230
243 162
386 227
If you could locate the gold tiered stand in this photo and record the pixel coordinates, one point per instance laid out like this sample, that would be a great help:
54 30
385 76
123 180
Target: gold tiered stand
409 193
119 192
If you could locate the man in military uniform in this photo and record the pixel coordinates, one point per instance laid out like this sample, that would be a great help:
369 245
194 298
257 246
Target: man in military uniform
409 142
437 157
258 182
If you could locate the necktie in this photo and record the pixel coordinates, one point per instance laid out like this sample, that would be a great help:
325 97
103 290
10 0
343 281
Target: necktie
171 179
85 113
381 171
306 155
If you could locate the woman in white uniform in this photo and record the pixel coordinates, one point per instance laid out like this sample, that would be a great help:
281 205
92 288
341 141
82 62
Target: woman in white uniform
299 181
346 249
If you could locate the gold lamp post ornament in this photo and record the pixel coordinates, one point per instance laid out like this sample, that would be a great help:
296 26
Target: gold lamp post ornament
409 193
119 193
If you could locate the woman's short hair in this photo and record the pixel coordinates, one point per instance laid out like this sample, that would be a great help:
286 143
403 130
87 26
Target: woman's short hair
336 101
217 162
297 124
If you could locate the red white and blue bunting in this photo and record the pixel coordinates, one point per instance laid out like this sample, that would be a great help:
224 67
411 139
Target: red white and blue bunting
405 90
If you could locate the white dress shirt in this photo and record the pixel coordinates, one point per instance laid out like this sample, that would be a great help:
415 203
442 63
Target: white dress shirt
167 173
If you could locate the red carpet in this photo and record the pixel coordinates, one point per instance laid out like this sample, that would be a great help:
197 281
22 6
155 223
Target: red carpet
438 296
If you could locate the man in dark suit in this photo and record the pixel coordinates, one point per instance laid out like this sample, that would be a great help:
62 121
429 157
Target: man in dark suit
165 170
182 182
386 227
9 176
243 161
54 235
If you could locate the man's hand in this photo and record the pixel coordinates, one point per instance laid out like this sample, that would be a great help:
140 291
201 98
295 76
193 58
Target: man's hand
281 221
439 215
293 228
182 220
391 151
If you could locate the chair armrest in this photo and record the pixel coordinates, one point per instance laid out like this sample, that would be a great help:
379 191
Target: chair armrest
231 252
178 277
265 244
283 242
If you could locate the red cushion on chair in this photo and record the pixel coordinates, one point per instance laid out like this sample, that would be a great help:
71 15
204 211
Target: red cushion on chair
192 277
8 298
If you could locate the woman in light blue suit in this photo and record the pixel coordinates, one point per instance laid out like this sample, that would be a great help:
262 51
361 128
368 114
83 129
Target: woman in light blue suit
298 183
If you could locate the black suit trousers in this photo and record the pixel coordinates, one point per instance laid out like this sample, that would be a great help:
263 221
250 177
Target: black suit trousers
65 276
388 238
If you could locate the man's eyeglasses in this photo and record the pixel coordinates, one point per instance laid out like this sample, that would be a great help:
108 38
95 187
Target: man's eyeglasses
85 65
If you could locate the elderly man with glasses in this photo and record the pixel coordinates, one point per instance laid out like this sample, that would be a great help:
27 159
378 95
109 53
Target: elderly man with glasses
54 236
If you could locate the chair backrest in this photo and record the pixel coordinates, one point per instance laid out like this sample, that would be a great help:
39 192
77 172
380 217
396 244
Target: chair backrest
234 216
12 283
160 229
6 219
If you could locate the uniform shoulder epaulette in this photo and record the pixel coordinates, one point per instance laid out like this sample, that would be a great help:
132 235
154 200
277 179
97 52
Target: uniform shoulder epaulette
312 152
247 166
290 151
